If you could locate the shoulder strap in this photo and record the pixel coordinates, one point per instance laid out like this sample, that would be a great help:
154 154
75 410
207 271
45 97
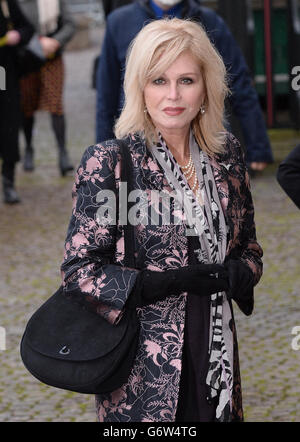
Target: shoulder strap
126 176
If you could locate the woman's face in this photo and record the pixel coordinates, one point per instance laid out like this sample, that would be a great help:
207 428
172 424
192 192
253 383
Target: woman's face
174 98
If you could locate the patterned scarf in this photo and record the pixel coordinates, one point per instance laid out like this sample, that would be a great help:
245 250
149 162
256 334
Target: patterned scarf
208 223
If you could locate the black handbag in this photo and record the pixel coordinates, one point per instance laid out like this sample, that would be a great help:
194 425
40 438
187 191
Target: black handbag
67 346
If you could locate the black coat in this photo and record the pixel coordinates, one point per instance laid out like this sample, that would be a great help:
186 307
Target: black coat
9 98
288 175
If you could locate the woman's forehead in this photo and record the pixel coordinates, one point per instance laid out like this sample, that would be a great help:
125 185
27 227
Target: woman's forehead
185 62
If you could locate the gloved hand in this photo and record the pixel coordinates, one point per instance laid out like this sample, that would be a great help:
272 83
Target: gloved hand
241 284
200 279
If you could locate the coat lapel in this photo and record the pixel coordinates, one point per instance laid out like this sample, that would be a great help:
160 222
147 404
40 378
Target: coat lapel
221 171
228 180
154 178
152 173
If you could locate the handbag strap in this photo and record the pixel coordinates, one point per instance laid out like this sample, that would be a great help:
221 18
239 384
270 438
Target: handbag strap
126 176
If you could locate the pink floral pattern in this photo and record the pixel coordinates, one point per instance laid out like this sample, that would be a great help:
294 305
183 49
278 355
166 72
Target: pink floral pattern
93 263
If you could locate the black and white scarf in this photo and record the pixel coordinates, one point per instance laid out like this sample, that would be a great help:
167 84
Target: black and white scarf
208 223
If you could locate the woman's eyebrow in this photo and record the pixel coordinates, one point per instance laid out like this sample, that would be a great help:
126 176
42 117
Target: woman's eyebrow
184 73
190 73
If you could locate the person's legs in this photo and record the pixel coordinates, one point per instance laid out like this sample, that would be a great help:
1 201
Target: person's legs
28 123
9 136
59 128
30 86
8 178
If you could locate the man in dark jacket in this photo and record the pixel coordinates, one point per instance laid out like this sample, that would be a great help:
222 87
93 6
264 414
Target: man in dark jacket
288 175
122 26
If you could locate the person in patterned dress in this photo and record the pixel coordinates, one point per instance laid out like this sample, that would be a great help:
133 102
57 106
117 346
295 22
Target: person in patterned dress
195 240
42 89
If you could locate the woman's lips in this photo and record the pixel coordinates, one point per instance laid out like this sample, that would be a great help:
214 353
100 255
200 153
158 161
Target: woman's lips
173 111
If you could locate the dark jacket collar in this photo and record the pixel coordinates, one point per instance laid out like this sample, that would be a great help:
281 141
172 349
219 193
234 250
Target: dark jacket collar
190 8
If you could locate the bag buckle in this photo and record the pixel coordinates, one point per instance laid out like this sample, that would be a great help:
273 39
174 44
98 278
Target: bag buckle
64 350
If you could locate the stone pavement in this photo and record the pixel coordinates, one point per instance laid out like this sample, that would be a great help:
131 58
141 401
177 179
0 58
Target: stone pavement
32 236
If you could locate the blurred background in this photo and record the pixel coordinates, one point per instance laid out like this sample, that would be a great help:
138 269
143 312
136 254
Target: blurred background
32 233
268 33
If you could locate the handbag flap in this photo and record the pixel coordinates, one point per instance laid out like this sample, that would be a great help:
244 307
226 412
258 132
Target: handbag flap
61 329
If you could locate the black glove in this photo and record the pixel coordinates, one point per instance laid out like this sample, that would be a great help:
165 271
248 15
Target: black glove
198 279
241 284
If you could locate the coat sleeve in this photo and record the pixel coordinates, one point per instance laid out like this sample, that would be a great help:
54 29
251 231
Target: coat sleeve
288 175
21 23
244 99
66 25
108 86
247 247
89 266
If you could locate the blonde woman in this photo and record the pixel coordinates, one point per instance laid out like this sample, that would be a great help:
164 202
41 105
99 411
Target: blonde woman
195 240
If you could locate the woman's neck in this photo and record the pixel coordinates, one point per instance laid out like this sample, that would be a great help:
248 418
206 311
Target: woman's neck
179 145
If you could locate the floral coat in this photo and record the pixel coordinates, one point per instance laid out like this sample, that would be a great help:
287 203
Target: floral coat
93 263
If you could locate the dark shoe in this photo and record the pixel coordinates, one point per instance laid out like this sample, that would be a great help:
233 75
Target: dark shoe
64 162
9 192
28 160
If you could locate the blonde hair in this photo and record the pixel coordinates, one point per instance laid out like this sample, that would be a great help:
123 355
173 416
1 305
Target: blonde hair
150 54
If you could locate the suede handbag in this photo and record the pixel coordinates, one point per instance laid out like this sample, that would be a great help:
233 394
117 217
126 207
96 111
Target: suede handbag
67 346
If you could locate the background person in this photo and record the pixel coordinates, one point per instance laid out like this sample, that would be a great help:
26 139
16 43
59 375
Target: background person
122 26
43 89
108 7
172 123
15 30
288 175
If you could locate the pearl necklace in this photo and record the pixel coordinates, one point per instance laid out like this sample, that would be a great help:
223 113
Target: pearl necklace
190 173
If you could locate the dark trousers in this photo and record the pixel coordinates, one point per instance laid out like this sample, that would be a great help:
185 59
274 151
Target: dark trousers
8 170
9 121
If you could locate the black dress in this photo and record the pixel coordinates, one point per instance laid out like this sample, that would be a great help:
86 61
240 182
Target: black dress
193 403
9 98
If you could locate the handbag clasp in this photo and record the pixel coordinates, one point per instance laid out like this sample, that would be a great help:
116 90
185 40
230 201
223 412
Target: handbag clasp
65 350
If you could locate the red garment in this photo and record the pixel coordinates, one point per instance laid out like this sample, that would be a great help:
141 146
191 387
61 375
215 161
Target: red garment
43 89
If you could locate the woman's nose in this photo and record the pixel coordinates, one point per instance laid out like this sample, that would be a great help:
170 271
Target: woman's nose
173 91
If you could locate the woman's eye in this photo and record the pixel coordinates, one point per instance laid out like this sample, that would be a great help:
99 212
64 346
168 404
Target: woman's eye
159 81
186 81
